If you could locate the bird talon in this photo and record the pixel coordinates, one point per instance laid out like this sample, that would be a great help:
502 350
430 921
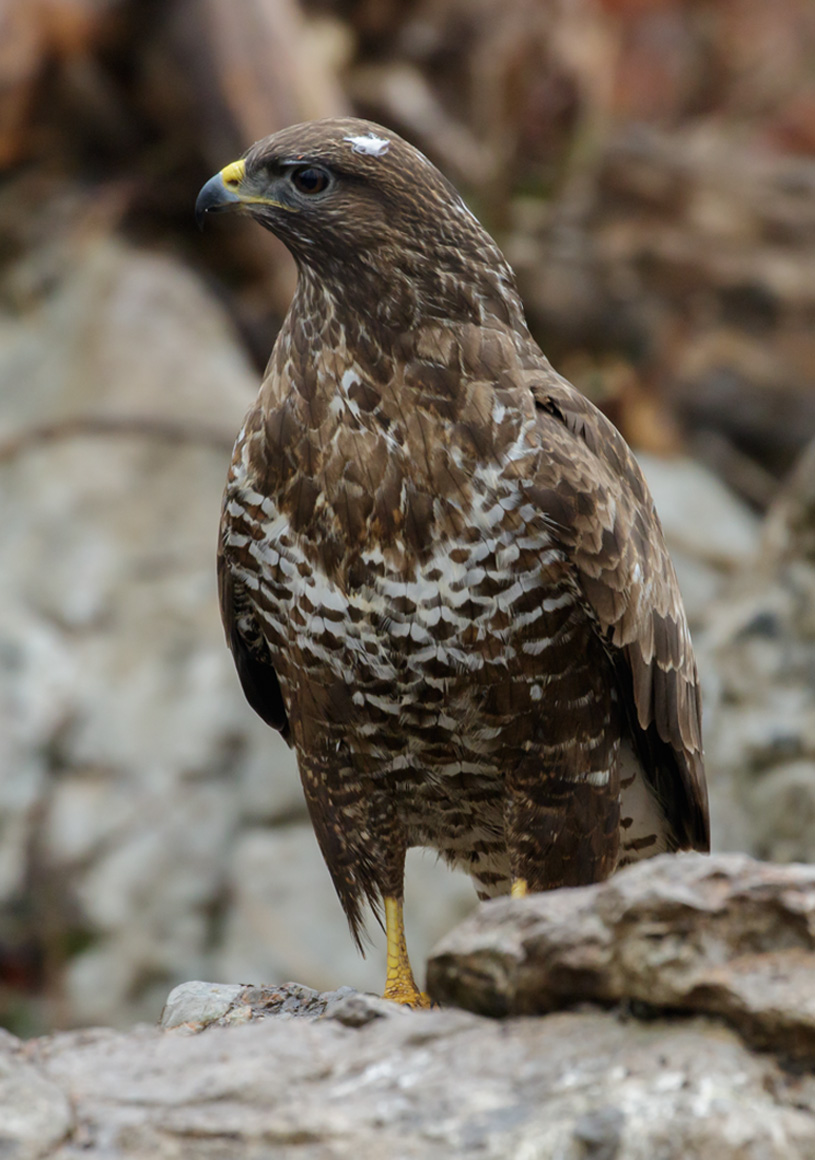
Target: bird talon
408 996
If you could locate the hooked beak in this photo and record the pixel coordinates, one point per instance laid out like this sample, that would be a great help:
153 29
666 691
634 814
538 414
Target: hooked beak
220 192
230 188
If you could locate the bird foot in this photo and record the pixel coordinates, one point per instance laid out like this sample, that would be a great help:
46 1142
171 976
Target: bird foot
407 994
400 986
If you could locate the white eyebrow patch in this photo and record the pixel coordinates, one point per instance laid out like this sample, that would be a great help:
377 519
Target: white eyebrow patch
371 144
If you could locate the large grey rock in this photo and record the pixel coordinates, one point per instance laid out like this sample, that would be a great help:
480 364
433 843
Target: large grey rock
438 1084
711 533
724 935
35 1113
130 757
757 658
192 1007
195 1005
289 1072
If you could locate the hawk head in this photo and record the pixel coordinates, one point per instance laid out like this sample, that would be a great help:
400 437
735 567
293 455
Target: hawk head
367 213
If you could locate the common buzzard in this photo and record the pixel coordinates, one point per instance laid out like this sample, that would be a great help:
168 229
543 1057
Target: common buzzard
441 573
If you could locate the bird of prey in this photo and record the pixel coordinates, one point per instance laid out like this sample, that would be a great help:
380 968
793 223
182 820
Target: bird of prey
442 577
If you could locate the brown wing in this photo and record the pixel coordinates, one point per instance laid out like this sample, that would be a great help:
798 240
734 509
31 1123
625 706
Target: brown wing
250 651
597 495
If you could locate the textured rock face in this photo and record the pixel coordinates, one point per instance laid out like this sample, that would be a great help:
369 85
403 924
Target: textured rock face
757 658
726 935
129 759
688 229
244 1072
438 1084
712 534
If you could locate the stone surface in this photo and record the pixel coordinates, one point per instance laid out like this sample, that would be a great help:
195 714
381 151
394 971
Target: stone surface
700 515
756 654
710 532
669 952
130 760
438 1084
724 935
35 1113
197 1005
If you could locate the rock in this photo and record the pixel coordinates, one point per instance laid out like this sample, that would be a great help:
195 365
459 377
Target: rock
293 1072
696 250
35 1114
724 935
356 1010
195 1005
131 759
710 532
192 1007
700 516
438 1084
756 654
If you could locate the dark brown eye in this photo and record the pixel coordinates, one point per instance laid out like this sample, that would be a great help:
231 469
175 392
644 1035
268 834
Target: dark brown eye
309 179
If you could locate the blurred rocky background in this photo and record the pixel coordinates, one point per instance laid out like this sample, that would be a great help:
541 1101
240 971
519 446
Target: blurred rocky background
649 168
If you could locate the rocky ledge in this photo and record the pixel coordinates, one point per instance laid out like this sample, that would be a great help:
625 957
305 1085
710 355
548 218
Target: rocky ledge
724 936
668 1012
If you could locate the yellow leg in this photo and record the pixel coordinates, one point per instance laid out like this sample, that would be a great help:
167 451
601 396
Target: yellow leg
520 888
400 986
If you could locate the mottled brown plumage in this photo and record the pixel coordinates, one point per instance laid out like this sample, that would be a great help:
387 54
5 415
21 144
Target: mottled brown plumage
441 572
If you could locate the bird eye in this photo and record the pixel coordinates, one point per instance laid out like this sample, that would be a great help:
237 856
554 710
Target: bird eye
309 179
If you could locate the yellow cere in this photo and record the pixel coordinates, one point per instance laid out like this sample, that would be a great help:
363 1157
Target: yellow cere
232 175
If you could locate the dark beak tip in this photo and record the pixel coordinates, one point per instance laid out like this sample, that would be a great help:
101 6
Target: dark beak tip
213 196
